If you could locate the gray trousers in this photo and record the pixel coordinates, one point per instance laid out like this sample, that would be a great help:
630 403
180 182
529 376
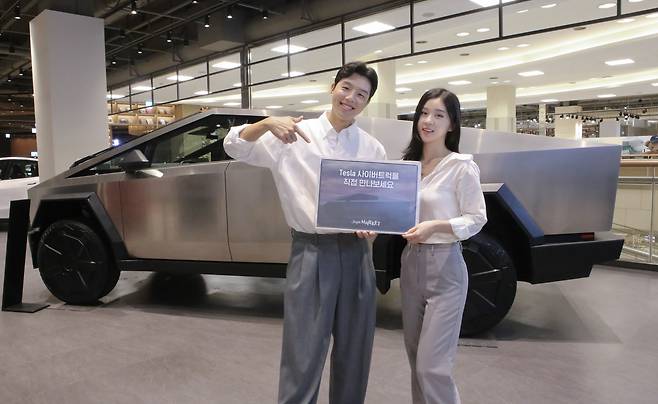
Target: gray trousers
330 290
433 283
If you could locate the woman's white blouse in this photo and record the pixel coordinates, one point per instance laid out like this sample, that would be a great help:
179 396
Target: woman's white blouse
452 192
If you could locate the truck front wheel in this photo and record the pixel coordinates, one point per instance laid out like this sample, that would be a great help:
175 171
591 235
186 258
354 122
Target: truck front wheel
74 262
491 284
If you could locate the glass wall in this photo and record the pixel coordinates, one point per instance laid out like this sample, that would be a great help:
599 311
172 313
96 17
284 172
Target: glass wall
420 28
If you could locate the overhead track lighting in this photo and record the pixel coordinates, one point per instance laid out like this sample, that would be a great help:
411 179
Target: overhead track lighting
206 21
17 12
133 7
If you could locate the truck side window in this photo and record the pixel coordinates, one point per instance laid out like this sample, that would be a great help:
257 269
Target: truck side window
198 142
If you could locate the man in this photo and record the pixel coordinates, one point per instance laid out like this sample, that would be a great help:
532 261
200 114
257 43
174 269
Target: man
330 280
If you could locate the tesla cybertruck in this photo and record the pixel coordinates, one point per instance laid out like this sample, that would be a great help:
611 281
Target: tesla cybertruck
174 201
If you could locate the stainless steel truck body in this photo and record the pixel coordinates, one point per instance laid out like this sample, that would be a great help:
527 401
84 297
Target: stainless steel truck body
174 201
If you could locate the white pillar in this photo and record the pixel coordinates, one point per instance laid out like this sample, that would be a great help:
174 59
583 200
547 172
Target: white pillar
501 108
610 128
68 73
541 119
566 126
382 104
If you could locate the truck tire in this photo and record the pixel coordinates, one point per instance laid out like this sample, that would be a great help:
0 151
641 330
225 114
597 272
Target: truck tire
74 262
491 284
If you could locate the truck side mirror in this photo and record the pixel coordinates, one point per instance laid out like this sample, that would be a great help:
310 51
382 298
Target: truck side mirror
133 161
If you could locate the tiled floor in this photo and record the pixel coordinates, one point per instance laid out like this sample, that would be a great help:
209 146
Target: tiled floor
215 339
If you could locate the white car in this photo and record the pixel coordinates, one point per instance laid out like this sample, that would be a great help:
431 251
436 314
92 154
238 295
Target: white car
17 175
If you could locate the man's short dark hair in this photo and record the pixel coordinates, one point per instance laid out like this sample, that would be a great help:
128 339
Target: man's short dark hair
361 69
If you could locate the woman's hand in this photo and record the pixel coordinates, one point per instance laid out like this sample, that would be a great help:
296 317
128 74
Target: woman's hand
420 232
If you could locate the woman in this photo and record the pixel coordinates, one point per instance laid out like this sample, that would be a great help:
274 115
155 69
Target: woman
434 279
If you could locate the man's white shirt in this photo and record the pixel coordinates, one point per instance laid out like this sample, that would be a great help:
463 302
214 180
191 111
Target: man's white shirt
296 167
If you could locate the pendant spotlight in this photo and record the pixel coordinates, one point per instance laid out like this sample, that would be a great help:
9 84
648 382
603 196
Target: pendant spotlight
206 21
265 14
133 7
169 39
21 72
229 12
140 49
17 12
114 61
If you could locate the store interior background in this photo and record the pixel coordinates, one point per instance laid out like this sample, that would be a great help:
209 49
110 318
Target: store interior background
579 69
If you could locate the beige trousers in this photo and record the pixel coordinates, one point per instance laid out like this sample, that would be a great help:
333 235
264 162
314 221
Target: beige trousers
434 283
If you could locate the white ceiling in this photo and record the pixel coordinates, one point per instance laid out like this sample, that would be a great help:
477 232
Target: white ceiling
572 61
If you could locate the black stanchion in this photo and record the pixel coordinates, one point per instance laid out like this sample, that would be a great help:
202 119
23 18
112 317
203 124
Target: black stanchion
12 291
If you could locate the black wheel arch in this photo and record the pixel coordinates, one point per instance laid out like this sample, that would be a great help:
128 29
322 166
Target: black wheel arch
86 205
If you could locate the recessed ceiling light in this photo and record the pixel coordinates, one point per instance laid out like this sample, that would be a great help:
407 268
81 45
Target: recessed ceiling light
201 92
522 11
507 81
273 107
625 20
379 51
606 95
142 88
494 82
652 15
635 1
226 65
462 34
179 77
522 45
549 5
114 96
292 74
232 104
408 64
237 84
422 62
483 29
503 48
619 62
531 73
459 82
654 84
607 5
402 89
310 102
284 49
373 27
549 100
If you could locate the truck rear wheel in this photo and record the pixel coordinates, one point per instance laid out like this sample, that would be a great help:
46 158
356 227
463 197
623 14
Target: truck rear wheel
74 262
491 284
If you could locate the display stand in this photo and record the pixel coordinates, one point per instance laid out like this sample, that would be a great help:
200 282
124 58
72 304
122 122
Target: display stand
12 291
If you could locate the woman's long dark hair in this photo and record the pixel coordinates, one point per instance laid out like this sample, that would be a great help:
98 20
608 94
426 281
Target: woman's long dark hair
415 149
